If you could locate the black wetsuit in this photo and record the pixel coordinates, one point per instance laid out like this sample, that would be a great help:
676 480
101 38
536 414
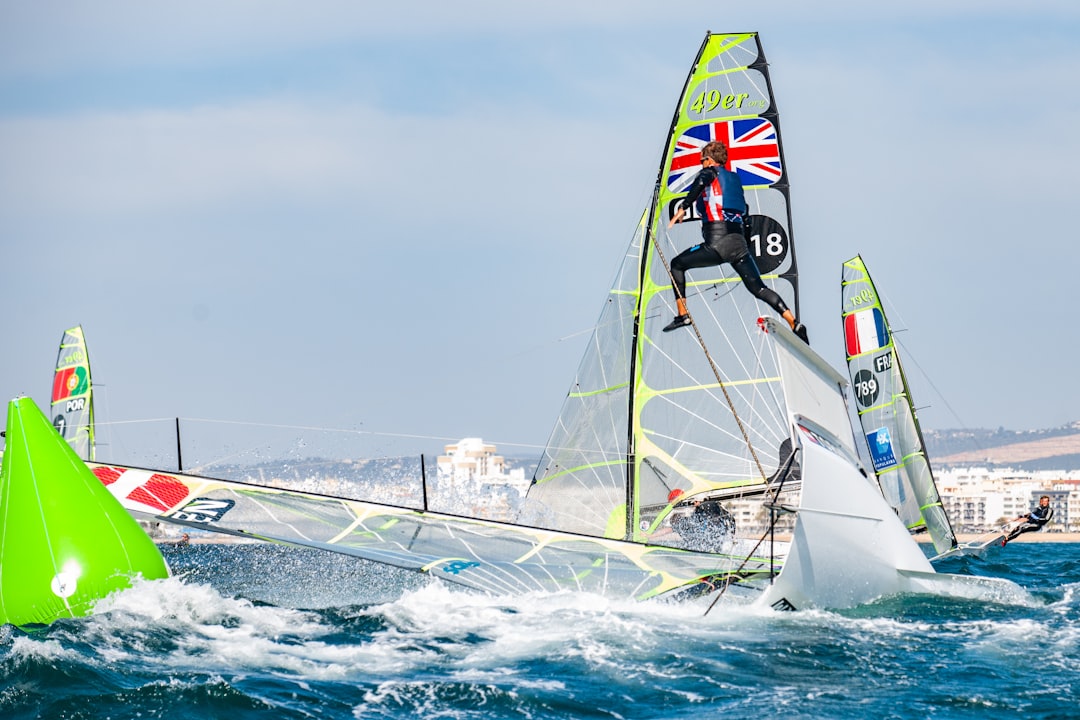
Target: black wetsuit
1035 520
722 239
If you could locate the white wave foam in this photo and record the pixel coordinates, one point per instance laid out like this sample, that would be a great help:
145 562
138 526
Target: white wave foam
481 636
438 631
182 626
28 649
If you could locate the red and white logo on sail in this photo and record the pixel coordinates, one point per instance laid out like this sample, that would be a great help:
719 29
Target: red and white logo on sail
143 491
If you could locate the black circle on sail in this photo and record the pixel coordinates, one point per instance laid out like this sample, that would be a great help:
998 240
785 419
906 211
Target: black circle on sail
768 242
866 387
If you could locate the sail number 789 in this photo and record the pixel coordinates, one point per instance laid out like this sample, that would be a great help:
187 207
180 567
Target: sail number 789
866 387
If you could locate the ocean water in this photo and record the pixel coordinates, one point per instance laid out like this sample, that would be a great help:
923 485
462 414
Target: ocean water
258 631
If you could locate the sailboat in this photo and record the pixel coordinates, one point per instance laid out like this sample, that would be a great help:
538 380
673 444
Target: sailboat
886 411
72 405
735 411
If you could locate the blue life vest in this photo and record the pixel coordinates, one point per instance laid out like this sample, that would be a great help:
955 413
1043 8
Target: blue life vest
722 199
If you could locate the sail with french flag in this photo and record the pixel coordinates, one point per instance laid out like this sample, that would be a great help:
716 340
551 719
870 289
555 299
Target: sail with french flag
865 331
886 411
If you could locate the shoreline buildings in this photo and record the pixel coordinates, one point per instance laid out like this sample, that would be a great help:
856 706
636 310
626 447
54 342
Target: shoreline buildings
473 480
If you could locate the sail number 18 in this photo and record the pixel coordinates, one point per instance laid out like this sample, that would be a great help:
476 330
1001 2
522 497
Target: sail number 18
768 242
774 245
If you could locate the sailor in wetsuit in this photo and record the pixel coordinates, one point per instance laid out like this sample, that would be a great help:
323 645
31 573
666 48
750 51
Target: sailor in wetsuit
1033 521
721 204
707 528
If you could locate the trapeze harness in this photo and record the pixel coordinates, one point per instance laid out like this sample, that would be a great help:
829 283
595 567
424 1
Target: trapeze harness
717 194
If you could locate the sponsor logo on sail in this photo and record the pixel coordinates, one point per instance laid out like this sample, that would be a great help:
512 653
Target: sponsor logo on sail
881 449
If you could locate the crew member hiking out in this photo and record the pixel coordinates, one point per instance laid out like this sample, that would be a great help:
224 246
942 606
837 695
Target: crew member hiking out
721 204
707 528
1032 521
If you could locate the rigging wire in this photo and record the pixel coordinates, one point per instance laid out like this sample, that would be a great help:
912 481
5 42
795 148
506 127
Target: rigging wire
713 366
781 476
894 310
773 515
910 356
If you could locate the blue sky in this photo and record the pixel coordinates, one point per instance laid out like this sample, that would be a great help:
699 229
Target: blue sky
405 218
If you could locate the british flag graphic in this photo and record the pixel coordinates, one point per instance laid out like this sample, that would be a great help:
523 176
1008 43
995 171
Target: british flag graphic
753 152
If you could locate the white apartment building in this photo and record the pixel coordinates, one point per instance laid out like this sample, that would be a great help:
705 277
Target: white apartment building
473 480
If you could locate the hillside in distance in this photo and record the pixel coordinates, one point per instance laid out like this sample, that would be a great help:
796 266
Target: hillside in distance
1051 449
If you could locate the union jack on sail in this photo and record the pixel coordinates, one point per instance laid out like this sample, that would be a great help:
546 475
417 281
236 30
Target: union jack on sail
753 152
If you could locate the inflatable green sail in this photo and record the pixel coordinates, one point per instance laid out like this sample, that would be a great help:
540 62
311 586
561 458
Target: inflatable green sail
65 541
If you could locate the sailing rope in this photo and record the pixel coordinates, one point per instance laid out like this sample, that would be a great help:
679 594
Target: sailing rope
782 474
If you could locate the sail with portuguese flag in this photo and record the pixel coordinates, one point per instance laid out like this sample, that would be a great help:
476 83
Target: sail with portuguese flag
72 406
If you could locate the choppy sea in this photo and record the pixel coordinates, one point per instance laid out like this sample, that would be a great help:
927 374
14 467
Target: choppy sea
260 631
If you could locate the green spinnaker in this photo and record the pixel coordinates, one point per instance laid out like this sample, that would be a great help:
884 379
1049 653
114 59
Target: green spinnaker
65 541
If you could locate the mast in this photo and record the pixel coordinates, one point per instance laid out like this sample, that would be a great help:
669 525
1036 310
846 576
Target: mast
791 273
651 217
